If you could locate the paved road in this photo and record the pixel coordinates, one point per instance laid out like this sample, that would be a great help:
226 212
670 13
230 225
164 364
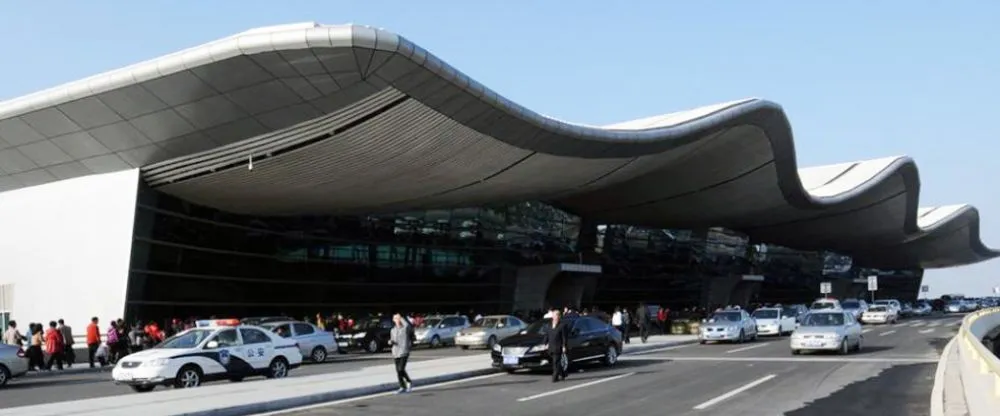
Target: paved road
892 376
32 389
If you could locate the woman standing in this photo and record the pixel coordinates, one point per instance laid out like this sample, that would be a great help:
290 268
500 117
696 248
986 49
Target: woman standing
399 338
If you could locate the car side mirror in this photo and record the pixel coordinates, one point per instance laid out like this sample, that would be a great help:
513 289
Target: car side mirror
212 345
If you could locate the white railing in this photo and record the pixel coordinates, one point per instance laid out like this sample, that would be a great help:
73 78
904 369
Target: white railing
980 368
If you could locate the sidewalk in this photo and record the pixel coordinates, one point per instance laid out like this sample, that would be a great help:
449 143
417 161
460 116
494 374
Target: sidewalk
232 399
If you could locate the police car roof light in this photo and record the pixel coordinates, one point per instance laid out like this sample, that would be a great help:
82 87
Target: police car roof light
217 322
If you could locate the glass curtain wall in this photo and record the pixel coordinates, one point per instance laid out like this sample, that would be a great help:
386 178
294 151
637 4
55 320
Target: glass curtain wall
190 260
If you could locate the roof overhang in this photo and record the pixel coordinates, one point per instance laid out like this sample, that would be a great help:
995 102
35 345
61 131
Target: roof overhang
311 119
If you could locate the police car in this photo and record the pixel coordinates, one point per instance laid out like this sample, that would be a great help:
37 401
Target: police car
213 350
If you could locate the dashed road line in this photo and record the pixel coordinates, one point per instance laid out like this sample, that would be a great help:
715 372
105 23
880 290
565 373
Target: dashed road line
926 331
578 386
887 333
746 348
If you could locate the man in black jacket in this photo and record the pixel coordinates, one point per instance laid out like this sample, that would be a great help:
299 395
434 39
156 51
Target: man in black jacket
642 321
557 338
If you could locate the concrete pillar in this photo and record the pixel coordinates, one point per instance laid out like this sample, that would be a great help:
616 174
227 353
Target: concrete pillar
557 284
533 286
586 240
718 290
567 289
744 292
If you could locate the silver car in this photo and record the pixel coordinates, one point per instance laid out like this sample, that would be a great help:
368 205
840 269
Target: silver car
728 325
487 331
827 330
13 363
436 331
314 343
855 307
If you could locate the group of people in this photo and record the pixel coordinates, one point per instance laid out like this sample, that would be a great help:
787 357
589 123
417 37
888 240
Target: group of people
56 342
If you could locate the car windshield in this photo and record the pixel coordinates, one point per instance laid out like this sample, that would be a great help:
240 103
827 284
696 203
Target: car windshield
766 314
187 339
824 319
538 327
366 324
488 322
823 305
877 308
727 317
851 304
430 323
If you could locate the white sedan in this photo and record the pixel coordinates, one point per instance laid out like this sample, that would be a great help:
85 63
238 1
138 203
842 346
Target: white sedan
773 321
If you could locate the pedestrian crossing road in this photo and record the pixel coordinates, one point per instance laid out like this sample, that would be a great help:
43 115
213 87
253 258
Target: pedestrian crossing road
893 375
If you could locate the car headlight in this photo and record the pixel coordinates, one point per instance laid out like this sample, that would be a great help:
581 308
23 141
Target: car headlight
497 347
159 362
360 335
539 348
731 329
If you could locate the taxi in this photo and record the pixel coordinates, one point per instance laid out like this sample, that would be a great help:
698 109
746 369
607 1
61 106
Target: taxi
213 350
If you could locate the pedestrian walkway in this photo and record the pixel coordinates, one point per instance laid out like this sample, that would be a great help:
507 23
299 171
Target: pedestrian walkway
247 398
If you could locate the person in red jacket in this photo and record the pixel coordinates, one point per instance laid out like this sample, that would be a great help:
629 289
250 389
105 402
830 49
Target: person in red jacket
661 318
54 346
93 340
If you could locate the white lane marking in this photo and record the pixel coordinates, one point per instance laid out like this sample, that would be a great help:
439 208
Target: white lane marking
578 386
916 324
746 348
887 333
926 331
672 347
867 330
375 396
956 323
934 324
796 359
739 390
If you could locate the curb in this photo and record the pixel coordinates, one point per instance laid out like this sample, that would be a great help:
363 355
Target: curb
937 391
314 399
294 402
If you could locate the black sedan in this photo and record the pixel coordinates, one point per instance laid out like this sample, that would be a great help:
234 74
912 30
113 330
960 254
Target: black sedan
590 340
371 335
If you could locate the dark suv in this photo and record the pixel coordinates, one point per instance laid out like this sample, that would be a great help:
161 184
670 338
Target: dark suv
369 334
590 340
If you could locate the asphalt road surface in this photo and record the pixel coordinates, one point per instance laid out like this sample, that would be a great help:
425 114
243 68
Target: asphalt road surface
31 389
893 375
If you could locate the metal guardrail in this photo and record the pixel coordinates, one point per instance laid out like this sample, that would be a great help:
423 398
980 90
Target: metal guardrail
980 367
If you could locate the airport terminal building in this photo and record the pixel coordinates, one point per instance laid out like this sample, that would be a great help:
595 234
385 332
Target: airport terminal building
306 168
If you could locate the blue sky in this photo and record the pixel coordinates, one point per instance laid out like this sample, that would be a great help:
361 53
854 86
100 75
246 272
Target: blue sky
858 79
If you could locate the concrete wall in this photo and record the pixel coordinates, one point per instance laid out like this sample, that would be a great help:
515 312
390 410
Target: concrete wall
65 249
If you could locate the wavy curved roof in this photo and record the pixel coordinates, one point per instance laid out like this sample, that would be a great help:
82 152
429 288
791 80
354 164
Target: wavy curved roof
353 119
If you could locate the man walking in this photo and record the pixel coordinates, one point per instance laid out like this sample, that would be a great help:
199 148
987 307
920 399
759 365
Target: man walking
67 334
556 338
93 340
642 321
12 336
401 340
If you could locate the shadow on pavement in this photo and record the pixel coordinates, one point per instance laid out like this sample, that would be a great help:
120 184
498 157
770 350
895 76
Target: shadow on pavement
28 383
901 390
938 344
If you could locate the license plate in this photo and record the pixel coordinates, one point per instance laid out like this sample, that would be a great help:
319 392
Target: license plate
342 344
511 360
814 344
125 376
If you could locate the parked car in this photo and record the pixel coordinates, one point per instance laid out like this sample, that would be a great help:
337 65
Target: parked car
825 303
880 314
13 363
922 309
590 339
314 343
728 325
773 321
371 335
436 331
827 330
260 320
854 307
488 330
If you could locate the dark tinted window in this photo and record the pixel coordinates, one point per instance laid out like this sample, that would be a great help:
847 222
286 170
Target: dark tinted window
227 338
303 329
850 304
253 336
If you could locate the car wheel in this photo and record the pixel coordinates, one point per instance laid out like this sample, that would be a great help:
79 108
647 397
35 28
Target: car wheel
611 356
491 342
857 348
510 370
4 375
278 368
702 342
796 352
372 347
188 377
464 347
435 341
143 389
318 355
845 348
